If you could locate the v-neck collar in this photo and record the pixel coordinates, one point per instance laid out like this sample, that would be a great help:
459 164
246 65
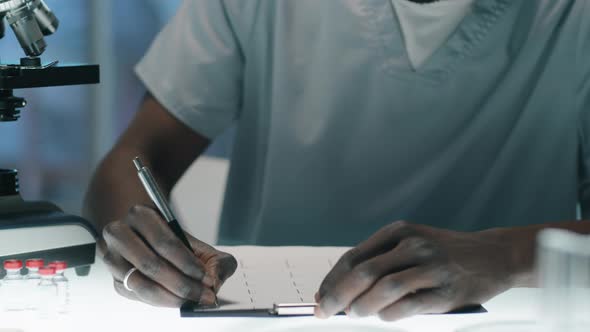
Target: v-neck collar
472 30
426 26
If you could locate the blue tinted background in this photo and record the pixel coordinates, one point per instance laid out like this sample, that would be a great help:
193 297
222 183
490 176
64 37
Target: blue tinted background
54 143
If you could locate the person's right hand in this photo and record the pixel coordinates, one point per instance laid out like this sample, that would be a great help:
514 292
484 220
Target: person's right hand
168 274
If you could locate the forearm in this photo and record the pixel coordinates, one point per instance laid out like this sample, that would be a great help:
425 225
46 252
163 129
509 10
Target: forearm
165 145
522 244
115 188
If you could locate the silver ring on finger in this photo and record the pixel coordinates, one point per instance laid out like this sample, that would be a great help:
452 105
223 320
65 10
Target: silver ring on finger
126 279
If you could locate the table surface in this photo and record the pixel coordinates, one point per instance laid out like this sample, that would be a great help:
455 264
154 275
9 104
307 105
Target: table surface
95 306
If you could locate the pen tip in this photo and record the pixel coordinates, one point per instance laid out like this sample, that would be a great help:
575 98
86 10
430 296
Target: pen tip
137 163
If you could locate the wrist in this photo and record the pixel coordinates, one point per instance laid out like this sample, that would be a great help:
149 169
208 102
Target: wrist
518 247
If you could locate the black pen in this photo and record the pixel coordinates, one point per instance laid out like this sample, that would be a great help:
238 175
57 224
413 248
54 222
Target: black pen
153 190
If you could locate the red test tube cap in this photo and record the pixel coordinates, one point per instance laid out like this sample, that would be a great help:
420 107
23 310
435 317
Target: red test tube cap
47 271
59 265
34 263
12 264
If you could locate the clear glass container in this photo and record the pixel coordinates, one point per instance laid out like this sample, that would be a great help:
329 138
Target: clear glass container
31 280
563 270
13 287
563 273
47 292
63 286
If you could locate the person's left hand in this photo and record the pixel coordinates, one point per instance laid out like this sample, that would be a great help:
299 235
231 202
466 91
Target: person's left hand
407 269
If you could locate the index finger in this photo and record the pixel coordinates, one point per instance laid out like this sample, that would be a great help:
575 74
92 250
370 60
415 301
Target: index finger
349 286
379 243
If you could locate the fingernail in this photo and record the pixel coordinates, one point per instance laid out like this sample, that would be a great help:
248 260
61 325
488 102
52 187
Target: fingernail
208 298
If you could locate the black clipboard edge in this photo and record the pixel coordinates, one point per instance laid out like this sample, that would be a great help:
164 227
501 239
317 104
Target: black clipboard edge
188 310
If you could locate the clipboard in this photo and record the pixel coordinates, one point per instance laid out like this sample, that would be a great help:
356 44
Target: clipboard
278 310
287 310
276 282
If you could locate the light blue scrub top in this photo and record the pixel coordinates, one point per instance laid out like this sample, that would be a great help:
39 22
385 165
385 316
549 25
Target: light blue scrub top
337 136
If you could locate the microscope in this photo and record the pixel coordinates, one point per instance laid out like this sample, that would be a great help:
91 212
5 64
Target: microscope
38 229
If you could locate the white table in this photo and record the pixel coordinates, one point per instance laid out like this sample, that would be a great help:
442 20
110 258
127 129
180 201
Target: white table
97 307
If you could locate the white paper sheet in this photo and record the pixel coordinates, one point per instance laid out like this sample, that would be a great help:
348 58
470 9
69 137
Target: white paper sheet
269 275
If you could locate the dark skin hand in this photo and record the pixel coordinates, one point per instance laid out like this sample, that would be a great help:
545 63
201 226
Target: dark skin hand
406 269
134 234
168 273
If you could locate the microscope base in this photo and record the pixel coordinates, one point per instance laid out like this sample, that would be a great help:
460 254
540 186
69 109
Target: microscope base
41 230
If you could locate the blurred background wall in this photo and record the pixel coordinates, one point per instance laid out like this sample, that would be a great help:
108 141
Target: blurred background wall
65 131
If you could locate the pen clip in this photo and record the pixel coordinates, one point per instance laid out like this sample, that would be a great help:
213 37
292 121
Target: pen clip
293 309
153 190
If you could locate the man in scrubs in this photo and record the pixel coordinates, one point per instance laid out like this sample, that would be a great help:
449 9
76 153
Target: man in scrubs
467 119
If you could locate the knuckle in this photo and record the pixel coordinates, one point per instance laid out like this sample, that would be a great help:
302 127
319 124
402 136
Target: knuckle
109 259
426 251
136 209
139 210
348 258
110 230
366 272
446 293
400 225
416 242
144 290
167 246
420 246
391 286
398 228
151 269
443 273
185 291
